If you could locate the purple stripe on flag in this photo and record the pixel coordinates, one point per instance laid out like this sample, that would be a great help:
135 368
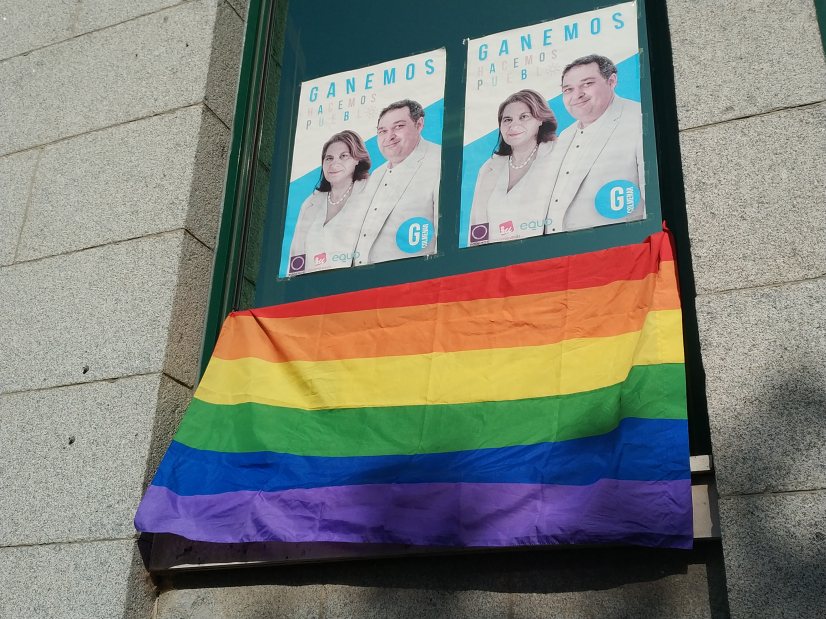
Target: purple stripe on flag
649 513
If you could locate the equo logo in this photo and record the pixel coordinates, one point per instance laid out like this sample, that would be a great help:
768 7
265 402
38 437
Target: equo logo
345 257
414 235
535 224
617 199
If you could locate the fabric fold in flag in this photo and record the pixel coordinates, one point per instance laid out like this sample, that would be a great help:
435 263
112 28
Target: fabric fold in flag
539 403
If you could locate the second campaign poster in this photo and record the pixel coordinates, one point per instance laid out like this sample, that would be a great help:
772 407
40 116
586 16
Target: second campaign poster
553 128
364 183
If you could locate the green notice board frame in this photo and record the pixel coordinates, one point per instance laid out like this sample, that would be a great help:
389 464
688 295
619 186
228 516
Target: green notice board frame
287 43
432 25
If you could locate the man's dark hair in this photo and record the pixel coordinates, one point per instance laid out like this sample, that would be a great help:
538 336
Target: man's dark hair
606 67
414 107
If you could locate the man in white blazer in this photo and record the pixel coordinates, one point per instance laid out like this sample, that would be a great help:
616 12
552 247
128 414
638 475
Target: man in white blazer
404 192
601 177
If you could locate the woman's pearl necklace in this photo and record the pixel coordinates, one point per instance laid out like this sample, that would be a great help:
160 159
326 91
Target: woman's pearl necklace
524 163
342 199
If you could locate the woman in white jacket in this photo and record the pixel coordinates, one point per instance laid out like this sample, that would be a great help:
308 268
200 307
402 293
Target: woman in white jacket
510 200
330 218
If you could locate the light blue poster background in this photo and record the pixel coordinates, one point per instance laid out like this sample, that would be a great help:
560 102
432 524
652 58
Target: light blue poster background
480 150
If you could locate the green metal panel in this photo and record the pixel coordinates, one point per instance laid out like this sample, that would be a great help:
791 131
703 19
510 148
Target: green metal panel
820 9
672 200
329 37
228 248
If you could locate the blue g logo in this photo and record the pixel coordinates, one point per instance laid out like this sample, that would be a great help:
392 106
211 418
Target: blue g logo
414 235
617 199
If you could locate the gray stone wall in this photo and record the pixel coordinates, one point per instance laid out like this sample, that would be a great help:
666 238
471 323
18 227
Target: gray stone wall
751 96
114 130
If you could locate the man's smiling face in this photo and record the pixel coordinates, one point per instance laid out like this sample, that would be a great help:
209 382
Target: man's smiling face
398 134
586 93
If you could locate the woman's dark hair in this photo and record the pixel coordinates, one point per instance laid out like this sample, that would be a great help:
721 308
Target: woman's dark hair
355 145
539 109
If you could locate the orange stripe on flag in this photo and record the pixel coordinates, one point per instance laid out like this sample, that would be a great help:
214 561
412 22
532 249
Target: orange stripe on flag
527 320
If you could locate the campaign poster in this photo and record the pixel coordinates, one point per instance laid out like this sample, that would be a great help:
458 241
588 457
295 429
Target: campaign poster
366 166
553 128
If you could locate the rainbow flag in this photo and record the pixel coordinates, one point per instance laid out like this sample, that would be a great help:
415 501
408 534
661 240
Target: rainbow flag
540 403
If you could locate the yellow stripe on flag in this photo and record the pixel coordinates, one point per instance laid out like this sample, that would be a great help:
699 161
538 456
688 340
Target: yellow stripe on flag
566 367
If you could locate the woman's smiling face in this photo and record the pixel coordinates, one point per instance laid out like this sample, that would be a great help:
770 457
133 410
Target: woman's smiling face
518 126
338 164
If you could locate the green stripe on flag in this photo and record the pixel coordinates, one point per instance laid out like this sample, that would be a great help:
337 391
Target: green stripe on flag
650 392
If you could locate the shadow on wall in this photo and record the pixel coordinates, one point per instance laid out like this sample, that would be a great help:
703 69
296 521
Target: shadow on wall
569 582
774 516
776 552
774 437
